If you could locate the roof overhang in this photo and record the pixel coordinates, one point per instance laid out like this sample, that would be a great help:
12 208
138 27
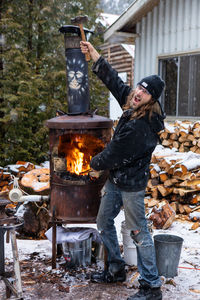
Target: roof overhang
123 30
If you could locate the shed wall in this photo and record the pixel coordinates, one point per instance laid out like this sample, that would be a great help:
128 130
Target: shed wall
172 27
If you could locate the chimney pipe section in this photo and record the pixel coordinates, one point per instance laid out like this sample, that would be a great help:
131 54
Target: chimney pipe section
77 72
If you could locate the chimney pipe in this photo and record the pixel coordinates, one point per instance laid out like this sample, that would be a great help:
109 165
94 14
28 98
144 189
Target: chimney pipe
77 71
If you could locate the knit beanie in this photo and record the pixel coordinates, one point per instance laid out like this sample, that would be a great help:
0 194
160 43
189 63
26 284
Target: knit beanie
153 84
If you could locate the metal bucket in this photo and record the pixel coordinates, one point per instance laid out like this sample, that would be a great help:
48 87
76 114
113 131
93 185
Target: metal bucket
78 254
168 251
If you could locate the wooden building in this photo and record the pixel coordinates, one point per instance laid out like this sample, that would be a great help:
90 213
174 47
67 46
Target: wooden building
120 59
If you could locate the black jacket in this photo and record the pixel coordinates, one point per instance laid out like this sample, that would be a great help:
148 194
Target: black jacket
128 155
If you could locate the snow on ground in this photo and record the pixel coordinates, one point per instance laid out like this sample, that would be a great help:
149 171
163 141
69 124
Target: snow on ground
187 283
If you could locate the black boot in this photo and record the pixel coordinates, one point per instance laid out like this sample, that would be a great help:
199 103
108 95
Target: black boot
146 293
107 277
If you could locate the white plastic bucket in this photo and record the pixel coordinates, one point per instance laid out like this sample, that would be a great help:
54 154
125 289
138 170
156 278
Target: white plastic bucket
130 253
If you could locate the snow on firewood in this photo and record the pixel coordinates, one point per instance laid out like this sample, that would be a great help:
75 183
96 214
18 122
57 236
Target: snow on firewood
175 177
182 135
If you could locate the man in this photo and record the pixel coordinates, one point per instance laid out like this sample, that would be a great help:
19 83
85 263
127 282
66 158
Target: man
127 158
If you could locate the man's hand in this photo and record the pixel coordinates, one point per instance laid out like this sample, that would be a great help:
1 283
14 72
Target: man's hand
95 174
86 47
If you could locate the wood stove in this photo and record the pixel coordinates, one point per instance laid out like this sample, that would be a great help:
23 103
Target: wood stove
75 138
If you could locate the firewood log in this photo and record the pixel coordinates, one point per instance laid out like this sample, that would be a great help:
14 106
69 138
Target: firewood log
196 125
36 181
195 199
154 193
197 151
183 192
152 183
170 182
196 133
3 182
154 171
176 144
191 137
194 184
162 217
182 139
195 226
164 190
173 136
189 165
167 143
183 148
174 206
163 176
152 202
164 135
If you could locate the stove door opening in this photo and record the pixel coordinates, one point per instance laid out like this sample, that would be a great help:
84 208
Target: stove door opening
75 152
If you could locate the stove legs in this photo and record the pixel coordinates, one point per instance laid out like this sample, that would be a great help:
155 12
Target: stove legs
54 245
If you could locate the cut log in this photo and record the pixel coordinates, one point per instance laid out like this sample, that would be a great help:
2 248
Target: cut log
37 180
196 133
194 227
183 192
191 137
6 176
182 139
181 209
152 202
163 217
174 136
194 184
154 171
164 135
189 165
197 151
164 190
152 183
170 182
187 209
176 144
3 182
154 193
195 199
167 143
174 206
163 176
196 125
183 148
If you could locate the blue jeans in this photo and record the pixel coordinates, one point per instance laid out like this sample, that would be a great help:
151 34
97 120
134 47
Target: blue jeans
133 202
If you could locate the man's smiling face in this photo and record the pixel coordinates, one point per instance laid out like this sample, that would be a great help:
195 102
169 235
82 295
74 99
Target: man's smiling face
140 97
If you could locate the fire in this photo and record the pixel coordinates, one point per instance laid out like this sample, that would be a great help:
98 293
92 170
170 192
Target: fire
77 162
78 151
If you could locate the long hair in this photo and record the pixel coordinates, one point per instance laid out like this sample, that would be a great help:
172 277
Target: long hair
150 107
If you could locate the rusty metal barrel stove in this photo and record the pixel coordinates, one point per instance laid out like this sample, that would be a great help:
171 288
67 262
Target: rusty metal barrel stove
75 138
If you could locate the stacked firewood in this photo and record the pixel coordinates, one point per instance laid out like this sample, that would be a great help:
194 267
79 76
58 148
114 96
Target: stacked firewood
184 136
175 177
32 179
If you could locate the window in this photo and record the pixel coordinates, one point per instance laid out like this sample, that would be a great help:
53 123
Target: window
182 91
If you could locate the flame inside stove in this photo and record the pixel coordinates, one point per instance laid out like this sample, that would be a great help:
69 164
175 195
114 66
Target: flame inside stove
78 150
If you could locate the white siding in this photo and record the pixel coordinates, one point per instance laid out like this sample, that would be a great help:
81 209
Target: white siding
173 27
